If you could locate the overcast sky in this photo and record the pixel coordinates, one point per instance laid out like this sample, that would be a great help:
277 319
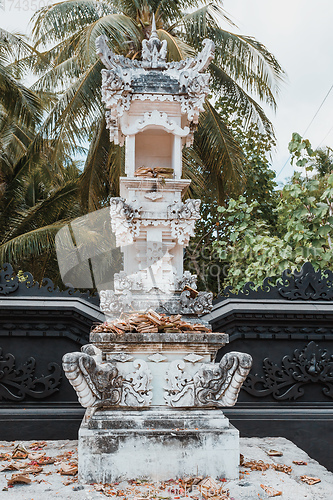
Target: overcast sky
300 35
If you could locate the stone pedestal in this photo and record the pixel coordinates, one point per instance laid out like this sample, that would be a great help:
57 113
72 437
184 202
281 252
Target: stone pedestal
157 444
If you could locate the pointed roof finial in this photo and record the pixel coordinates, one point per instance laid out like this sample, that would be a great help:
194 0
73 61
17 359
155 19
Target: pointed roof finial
154 51
153 33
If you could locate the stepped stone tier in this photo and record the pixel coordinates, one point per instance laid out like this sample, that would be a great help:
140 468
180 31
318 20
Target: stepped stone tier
148 379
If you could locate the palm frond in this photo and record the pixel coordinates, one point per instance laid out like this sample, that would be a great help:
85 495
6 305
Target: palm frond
220 154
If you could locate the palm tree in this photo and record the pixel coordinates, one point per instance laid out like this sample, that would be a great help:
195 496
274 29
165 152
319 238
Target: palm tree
243 69
37 196
16 100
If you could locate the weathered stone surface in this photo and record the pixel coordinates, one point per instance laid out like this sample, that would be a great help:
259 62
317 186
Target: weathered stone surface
121 445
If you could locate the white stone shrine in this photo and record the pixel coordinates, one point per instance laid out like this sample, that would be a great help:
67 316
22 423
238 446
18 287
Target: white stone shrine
153 397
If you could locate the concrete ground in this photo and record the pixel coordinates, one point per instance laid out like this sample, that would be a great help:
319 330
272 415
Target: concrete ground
50 484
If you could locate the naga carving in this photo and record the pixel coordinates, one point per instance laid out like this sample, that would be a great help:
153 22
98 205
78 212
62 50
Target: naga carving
100 384
212 385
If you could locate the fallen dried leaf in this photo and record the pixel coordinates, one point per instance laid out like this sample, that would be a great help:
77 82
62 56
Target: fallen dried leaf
11 466
67 469
282 468
19 478
310 480
299 462
20 451
33 469
271 492
274 453
46 461
36 455
38 445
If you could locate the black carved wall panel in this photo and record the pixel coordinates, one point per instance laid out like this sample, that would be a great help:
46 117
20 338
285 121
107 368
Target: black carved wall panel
38 325
287 327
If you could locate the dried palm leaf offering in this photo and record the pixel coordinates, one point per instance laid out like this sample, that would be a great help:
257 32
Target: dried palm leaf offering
150 322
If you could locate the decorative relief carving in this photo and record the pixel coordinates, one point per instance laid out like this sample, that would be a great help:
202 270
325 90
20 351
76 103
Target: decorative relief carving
212 385
157 357
112 303
158 119
122 222
18 383
154 196
182 230
307 284
154 52
188 210
201 304
137 388
287 381
193 358
100 384
8 281
122 357
187 279
124 282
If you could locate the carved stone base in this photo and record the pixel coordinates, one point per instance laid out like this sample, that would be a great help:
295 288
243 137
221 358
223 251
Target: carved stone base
157 444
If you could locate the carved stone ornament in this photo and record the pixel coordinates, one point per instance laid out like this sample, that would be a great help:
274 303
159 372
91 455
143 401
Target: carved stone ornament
122 222
154 52
124 282
201 304
186 76
288 380
188 210
100 384
212 385
182 230
187 279
159 120
16 383
112 303
8 282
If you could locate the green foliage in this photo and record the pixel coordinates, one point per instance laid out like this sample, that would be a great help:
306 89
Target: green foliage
254 249
203 255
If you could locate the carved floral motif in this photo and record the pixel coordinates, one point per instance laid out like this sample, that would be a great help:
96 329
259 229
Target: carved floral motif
201 304
122 223
112 303
288 380
188 210
187 279
16 383
124 282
